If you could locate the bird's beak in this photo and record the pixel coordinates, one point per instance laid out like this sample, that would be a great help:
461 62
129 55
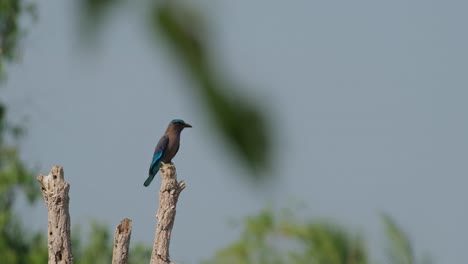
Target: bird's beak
187 125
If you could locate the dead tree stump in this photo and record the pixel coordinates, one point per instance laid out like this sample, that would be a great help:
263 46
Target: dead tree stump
122 236
55 192
168 197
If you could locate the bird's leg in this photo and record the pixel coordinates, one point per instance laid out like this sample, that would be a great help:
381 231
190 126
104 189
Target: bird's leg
162 163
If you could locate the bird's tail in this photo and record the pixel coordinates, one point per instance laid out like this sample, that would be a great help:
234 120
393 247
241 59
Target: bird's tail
152 172
149 180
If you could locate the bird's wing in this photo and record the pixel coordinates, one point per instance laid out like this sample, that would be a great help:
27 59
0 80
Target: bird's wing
158 153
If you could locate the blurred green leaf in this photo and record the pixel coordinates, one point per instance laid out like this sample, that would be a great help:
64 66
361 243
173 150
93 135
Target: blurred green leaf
17 244
272 238
269 238
93 15
11 12
400 250
326 242
96 246
239 118
140 253
242 123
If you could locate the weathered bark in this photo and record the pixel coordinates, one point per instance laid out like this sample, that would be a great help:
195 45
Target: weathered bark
168 196
55 193
122 241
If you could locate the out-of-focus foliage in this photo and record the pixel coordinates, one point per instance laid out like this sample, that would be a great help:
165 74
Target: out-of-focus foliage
10 31
17 245
139 253
238 118
98 247
399 249
93 14
21 246
241 122
271 238
94 9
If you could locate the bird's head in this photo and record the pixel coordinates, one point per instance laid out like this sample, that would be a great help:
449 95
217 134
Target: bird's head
179 124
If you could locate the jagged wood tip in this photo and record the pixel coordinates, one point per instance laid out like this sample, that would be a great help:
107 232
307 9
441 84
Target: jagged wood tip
122 236
55 192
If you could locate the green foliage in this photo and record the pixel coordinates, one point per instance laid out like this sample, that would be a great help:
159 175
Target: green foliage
10 32
9 15
92 17
270 238
243 124
17 245
399 249
140 253
238 118
98 246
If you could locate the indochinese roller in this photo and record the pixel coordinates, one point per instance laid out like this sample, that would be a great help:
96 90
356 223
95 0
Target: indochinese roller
167 147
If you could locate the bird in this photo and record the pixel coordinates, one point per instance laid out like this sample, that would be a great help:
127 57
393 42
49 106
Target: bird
166 148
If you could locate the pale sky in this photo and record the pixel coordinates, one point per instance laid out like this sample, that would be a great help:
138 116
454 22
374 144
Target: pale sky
368 99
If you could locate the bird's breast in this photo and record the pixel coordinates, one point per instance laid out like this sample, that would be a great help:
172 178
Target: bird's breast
172 148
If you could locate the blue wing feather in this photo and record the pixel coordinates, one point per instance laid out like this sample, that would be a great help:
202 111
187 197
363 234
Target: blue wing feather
156 162
156 157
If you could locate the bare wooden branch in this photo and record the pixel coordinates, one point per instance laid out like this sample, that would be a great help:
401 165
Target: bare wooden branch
122 241
55 193
168 196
